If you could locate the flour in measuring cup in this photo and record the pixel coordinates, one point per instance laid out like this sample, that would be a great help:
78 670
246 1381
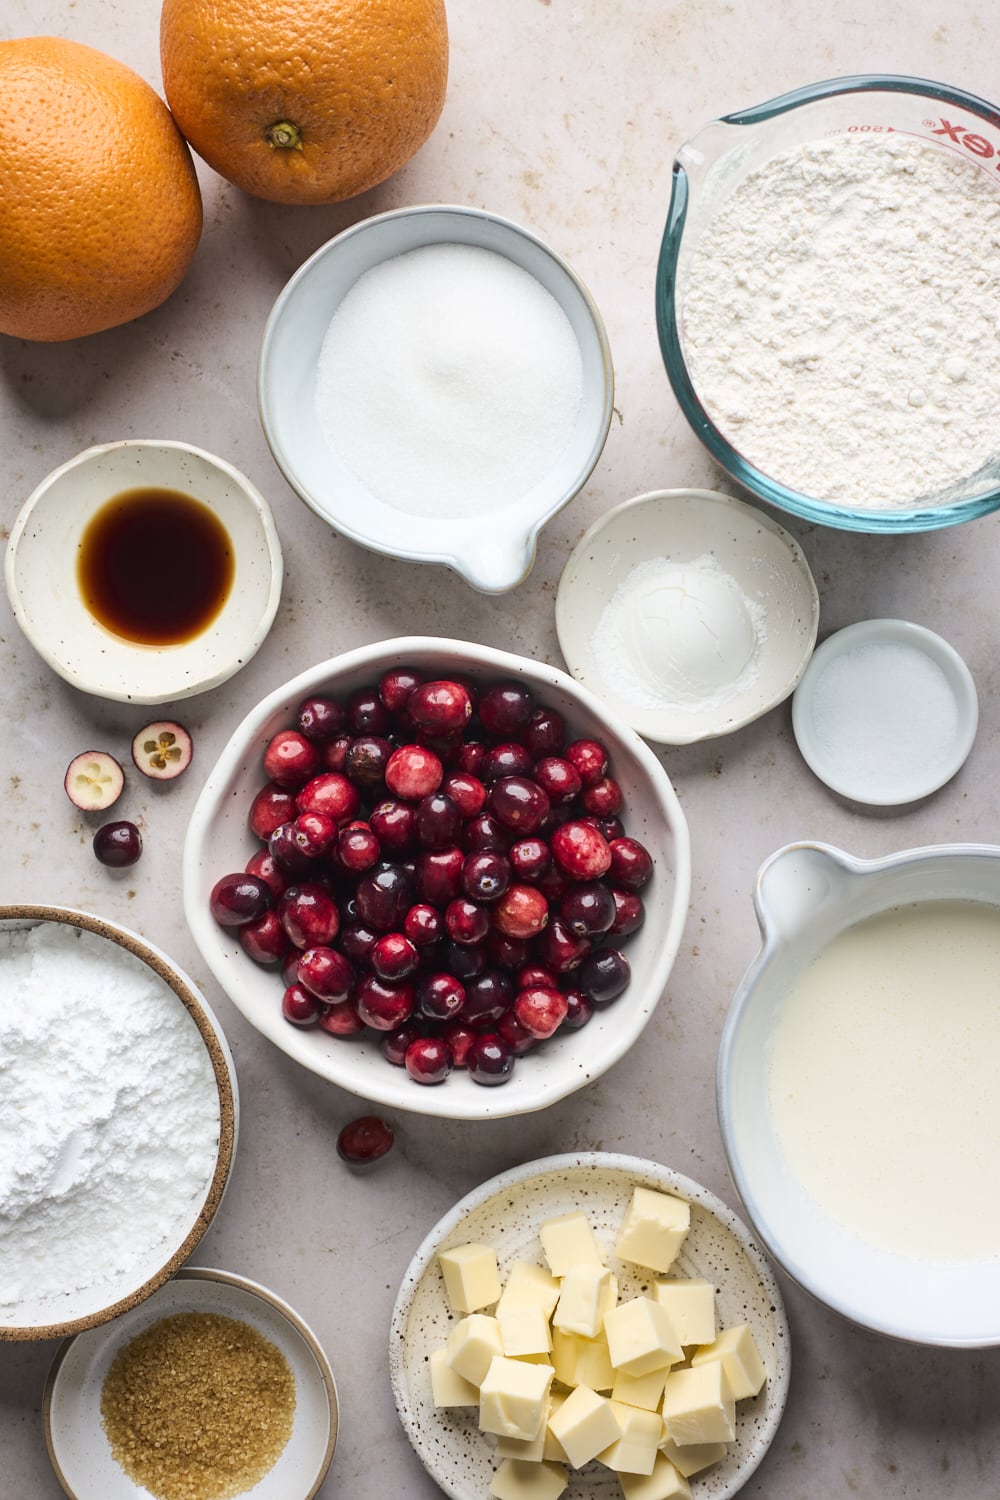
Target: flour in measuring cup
841 320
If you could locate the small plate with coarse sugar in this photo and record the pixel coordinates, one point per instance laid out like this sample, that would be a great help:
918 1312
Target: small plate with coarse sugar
210 1356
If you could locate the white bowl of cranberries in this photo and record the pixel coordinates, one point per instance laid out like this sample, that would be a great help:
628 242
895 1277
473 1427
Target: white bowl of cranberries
441 876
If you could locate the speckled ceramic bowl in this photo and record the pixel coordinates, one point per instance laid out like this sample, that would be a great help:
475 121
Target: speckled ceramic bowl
41 573
505 1213
108 1292
71 1408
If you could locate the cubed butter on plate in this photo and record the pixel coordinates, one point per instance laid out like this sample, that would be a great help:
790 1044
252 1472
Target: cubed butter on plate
471 1277
665 1483
699 1406
653 1229
742 1363
588 1293
528 1285
524 1330
580 1361
691 1305
645 1391
641 1337
584 1425
472 1344
447 1386
693 1457
569 1241
518 1480
634 1452
514 1398
529 1450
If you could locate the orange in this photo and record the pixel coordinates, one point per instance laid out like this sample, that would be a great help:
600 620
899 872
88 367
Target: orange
101 209
305 101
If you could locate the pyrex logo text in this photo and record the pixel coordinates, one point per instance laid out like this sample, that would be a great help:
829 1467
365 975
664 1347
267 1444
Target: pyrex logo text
977 144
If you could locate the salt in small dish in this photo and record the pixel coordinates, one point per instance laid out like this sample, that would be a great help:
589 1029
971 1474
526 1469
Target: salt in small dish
886 712
41 569
505 1213
71 1408
691 613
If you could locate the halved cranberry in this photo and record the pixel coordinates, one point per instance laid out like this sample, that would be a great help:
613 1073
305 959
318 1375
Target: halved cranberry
264 940
272 806
441 707
341 1019
629 913
395 687
300 1007
331 793
521 912
309 915
383 1006
439 996
558 778
519 803
238 899
393 956
319 718
413 772
428 1060
290 759
364 1141
580 851
506 709
490 1060
540 1011
603 975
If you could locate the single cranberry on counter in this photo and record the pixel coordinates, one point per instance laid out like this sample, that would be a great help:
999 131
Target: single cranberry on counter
589 758
413 772
589 909
393 1044
383 1006
290 759
341 1019
506 709
309 915
466 791
530 859
490 1060
236 899
439 996
366 760
423 925
326 974
487 996
603 975
319 719
631 864
438 876
393 824
264 940
428 1059
118 845
540 1011
514 1034
485 875
272 806
506 760
603 798
558 778
331 793
629 913
521 912
580 851
545 734
394 956
364 1141
441 707
367 714
395 687
262 864
300 1007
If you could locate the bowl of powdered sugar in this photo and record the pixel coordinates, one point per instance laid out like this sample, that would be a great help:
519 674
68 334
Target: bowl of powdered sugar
118 1118
827 301
436 383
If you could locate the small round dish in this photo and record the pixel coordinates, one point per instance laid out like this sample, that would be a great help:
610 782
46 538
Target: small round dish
492 559
886 712
505 1213
42 584
71 1407
689 612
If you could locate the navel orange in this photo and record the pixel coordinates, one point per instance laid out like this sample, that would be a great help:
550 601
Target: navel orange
305 101
101 209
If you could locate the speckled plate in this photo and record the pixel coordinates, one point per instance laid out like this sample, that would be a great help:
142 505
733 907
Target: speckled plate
506 1212
71 1407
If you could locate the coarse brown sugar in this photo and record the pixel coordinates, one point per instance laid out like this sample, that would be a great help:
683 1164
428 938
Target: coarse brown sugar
198 1407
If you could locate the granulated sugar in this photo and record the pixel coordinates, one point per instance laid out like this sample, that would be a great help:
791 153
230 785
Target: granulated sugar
840 319
109 1114
449 381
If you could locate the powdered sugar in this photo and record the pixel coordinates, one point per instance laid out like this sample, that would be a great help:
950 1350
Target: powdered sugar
109 1115
840 320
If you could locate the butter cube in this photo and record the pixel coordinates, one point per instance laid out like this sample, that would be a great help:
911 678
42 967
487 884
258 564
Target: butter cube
641 1337
517 1480
554 1449
524 1330
471 1277
529 1286
698 1405
665 1483
579 1361
588 1293
691 1305
447 1386
584 1425
645 1391
693 1457
530 1450
569 1241
472 1344
653 1229
743 1365
514 1398
635 1450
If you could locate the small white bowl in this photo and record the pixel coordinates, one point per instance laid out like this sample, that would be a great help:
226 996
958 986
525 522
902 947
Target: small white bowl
219 841
71 1406
505 1213
41 573
758 587
865 732
114 1291
492 558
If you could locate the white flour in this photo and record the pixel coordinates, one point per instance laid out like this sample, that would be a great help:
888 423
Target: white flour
842 319
109 1114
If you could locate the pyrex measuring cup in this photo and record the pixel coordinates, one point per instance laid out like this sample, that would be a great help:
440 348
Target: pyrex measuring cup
711 166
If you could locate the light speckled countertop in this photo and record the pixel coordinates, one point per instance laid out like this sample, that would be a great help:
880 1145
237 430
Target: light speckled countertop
563 114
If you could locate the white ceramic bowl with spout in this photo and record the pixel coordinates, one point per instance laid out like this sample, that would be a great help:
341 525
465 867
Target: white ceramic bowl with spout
806 896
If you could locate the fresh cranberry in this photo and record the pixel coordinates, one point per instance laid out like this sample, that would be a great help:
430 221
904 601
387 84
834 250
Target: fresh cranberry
357 943
309 915
262 864
464 962
466 922
490 1060
560 949
442 707
428 1060
545 734
521 912
631 864
485 875
331 793
553 884
506 760
383 1006
530 858
540 1011
238 899
272 806
367 714
579 1010
467 792
290 759
395 687
283 848
384 896
580 851
519 803
264 940
603 798
438 822
313 833
364 1141
629 913
357 847
588 909
484 831
393 1044
470 758
393 956
326 974
333 753
423 925
506 952
603 975
439 876
300 1007
487 996
320 719
439 996
459 1039
413 772
558 778
514 1034
341 1019
393 825
444 746
366 760
506 709
533 976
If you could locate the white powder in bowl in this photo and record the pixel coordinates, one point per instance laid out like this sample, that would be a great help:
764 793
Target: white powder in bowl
840 321
449 381
109 1116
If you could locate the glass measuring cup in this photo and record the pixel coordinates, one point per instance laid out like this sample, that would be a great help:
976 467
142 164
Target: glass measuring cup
710 167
